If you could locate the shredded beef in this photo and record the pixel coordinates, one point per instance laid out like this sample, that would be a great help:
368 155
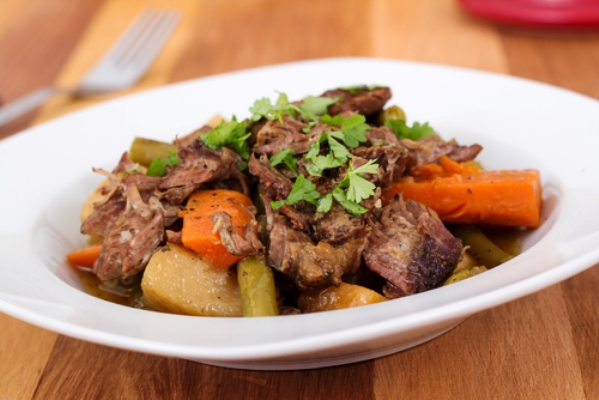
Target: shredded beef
294 254
237 245
190 138
337 226
430 149
200 164
411 249
392 163
108 210
275 184
101 221
133 239
361 100
274 137
379 136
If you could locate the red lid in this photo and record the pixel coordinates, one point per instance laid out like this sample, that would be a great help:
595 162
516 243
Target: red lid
539 13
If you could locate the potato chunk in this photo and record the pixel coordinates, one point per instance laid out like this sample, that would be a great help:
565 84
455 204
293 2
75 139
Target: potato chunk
336 298
177 280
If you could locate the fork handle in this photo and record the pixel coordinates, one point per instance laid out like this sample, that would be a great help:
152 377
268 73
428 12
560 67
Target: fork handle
26 103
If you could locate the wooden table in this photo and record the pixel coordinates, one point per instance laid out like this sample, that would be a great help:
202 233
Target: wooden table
542 346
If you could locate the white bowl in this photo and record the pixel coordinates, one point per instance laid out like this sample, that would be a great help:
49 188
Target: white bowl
46 175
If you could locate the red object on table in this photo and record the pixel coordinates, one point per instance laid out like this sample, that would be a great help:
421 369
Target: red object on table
537 13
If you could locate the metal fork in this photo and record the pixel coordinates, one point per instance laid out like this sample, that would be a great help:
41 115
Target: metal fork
122 66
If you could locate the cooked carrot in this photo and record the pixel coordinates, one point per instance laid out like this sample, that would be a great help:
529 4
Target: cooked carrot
85 256
471 196
197 233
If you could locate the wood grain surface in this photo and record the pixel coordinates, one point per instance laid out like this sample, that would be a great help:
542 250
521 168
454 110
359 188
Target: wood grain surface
543 346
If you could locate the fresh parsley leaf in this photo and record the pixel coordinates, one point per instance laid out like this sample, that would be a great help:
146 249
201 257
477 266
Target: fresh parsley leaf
339 151
337 120
224 134
231 134
263 108
320 163
303 189
325 203
312 107
309 126
415 132
350 206
336 158
314 149
354 128
158 165
285 156
241 146
358 188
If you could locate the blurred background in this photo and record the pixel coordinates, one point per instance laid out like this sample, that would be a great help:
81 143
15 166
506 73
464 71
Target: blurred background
56 41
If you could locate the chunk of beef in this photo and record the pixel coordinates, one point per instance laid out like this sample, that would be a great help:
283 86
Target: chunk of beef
190 138
133 239
430 149
380 136
338 226
294 254
109 209
361 100
392 162
275 184
101 221
274 137
237 245
411 249
200 164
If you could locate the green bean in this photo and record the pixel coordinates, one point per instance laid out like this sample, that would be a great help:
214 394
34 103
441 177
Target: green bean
257 285
483 250
393 112
143 151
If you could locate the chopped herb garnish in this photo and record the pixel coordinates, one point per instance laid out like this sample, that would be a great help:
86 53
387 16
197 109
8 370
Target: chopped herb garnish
303 189
415 132
286 157
358 188
320 163
336 158
350 206
231 134
337 120
312 107
353 129
325 203
309 127
158 165
339 151
264 108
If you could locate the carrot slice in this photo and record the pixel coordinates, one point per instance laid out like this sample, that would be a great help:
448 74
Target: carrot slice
463 194
85 256
197 233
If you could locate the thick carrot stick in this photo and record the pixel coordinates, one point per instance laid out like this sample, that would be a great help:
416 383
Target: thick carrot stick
86 256
510 198
198 229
